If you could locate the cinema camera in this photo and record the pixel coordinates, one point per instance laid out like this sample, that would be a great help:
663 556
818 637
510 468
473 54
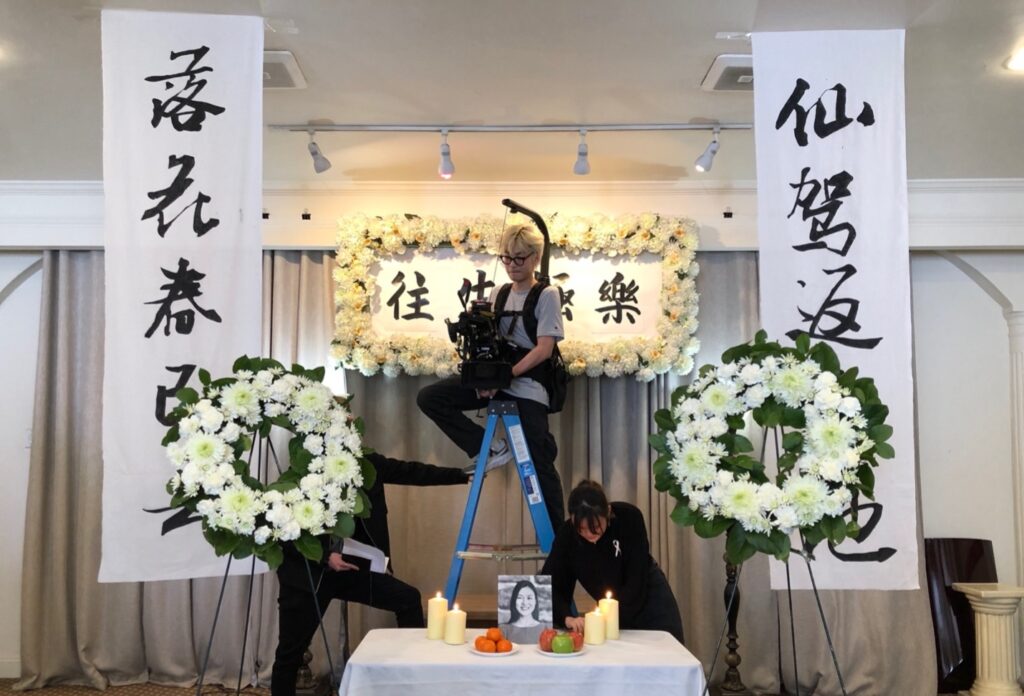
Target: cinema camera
481 347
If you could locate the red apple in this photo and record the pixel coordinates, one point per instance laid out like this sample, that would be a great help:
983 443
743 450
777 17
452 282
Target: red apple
545 639
577 640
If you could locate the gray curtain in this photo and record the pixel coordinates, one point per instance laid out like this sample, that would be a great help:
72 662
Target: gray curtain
75 630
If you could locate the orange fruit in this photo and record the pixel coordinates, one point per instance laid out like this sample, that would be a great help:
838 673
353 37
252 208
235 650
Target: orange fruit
504 646
494 634
488 646
478 643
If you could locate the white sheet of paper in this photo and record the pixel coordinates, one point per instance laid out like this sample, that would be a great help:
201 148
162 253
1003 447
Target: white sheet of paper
378 561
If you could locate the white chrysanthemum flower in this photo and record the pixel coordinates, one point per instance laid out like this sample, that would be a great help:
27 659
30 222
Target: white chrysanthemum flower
720 398
309 514
206 450
808 496
240 401
343 467
314 399
786 518
792 385
261 535
755 396
751 374
830 469
826 380
240 502
314 444
849 406
189 425
695 465
209 417
740 502
231 432
827 399
176 453
831 436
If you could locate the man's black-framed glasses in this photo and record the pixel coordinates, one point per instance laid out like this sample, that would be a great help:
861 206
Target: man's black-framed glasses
516 260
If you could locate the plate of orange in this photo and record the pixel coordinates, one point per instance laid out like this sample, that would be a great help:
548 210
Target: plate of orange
493 644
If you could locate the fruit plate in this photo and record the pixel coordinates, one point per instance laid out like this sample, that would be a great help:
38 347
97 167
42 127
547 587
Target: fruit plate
513 651
554 654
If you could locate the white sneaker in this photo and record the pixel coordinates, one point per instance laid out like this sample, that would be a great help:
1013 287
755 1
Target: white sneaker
500 455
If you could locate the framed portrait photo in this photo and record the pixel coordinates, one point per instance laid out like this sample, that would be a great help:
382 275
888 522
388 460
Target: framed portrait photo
524 606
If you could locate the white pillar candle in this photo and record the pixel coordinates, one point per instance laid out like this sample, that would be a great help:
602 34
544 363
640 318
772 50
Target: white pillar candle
593 628
455 626
610 608
437 608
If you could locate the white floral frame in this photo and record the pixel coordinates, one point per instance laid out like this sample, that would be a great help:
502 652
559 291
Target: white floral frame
363 239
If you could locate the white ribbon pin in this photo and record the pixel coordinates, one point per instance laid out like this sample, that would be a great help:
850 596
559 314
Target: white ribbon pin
618 549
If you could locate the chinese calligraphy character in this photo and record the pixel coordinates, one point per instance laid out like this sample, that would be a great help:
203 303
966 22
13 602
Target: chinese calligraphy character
419 301
565 295
623 299
183 109
841 312
836 188
169 195
822 127
481 284
162 392
184 286
881 554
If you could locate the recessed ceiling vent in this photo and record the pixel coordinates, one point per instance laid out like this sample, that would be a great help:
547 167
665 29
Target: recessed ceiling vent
730 72
280 71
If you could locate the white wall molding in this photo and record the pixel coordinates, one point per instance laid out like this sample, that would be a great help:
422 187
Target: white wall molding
947 214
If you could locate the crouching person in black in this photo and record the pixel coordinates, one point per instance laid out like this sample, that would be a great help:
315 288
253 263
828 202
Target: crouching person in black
335 578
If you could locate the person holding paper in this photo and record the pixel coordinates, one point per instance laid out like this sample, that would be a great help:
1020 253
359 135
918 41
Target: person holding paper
604 546
338 578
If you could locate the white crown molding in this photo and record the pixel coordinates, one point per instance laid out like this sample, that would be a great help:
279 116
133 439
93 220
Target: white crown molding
944 214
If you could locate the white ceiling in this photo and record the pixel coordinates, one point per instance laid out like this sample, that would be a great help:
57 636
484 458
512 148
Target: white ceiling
521 61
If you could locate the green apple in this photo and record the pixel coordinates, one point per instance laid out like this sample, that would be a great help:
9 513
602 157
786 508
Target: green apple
562 643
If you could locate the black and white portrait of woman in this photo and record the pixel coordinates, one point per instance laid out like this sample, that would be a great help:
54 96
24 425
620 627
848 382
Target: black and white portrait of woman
524 606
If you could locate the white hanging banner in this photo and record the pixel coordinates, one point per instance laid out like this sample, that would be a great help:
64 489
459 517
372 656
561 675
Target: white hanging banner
834 256
182 170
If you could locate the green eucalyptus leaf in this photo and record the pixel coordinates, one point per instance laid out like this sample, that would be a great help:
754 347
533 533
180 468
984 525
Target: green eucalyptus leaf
663 419
310 546
344 527
683 515
187 395
884 450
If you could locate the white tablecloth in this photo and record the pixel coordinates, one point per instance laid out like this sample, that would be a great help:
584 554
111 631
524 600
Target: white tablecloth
402 661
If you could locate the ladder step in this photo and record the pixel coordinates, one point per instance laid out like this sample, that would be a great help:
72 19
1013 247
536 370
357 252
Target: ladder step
503 552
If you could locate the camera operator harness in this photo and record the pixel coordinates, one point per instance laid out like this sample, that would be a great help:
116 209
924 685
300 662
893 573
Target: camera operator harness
487 359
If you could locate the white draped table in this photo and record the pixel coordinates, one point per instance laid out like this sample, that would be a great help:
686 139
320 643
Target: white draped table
402 661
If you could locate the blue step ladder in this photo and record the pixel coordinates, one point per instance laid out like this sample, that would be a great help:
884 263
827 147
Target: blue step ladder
508 413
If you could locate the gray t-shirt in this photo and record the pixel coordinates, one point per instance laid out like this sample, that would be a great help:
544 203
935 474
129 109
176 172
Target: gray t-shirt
549 323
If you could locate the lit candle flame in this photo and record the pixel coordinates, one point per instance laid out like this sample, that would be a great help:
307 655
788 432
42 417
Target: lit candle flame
607 595
455 607
439 595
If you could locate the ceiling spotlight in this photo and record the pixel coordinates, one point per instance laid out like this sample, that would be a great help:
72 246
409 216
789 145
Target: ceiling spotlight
582 166
320 163
704 162
445 168
1016 61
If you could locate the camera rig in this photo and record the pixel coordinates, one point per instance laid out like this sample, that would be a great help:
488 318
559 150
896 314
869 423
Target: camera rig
481 347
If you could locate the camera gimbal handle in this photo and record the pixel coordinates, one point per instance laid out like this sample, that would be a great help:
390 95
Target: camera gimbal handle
542 274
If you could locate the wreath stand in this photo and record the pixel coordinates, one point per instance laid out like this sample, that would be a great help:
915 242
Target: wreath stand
733 683
263 477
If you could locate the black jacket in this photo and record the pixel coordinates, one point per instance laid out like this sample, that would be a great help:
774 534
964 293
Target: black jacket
372 530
